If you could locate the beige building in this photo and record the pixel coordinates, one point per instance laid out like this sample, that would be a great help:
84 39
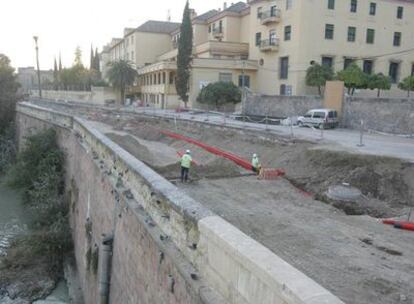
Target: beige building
269 45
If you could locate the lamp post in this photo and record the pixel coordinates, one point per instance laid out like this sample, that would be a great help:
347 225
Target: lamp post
38 69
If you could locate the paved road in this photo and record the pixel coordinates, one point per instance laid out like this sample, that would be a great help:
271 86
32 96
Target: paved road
337 139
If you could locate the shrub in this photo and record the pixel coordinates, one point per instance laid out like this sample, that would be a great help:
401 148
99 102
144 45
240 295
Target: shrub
219 93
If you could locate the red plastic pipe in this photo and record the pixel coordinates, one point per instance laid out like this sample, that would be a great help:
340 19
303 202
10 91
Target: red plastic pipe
405 226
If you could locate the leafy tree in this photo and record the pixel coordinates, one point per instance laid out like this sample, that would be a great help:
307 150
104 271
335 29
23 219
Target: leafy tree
8 92
353 77
185 48
317 75
379 82
122 74
219 93
407 84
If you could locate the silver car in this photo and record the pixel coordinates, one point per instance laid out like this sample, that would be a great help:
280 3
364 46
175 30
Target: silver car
320 118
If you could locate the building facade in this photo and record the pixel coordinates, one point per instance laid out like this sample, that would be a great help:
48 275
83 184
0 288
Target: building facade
267 45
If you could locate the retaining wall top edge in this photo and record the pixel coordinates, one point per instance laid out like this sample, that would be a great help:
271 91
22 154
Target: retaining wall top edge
179 200
297 288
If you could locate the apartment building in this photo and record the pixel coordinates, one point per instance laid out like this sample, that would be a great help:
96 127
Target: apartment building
141 45
267 45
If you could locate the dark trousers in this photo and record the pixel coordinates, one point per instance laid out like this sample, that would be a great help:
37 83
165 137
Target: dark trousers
184 174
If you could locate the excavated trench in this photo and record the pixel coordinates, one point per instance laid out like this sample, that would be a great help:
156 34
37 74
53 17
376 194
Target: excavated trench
387 184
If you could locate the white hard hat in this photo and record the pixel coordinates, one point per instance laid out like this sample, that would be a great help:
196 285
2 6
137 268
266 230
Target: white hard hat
188 152
255 155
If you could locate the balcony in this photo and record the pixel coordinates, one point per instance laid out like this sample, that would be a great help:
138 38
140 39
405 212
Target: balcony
218 33
269 45
272 16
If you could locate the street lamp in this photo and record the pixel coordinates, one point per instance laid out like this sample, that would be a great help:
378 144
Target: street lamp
38 69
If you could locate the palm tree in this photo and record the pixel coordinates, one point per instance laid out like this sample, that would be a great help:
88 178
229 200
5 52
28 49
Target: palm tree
121 74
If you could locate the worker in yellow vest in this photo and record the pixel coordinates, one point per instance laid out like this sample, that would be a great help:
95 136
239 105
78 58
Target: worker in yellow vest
186 161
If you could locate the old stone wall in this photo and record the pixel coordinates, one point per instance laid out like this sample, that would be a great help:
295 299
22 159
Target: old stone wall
279 106
167 247
97 95
381 114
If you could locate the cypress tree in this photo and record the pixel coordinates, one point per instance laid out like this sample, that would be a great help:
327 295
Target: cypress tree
55 76
185 48
97 61
92 60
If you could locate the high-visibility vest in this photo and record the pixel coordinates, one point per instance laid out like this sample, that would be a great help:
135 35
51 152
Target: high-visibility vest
186 161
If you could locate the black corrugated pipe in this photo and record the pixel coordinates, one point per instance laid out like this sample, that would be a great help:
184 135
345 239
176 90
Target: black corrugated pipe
105 268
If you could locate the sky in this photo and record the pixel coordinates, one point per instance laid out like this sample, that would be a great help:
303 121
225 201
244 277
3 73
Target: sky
62 25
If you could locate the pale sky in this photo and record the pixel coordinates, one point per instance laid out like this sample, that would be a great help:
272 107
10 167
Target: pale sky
64 24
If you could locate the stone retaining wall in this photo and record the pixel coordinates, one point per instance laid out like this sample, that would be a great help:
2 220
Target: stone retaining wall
388 115
279 106
167 247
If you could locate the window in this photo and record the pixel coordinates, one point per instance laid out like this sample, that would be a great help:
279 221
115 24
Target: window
221 26
286 90
397 39
132 56
331 4
272 37
351 33
288 4
393 72
329 31
171 78
348 62
288 32
258 38
354 6
372 8
225 77
400 12
327 61
132 39
273 11
284 68
209 28
163 77
246 81
370 36
367 66
282 89
259 12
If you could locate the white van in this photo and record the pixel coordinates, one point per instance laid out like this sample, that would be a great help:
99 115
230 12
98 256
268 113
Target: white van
321 118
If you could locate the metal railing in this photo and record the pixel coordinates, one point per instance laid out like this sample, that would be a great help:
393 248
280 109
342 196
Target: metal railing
269 42
270 14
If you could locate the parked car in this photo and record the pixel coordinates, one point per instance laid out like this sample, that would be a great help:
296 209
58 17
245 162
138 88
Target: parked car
321 118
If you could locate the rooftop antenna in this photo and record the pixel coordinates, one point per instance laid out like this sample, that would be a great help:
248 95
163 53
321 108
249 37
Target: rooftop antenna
169 15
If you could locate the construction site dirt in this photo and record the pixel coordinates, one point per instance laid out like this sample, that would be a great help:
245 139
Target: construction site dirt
342 245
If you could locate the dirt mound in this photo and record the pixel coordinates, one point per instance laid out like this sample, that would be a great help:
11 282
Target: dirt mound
379 178
218 168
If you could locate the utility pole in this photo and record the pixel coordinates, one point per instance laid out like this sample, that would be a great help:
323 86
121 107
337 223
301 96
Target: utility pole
38 69
243 91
